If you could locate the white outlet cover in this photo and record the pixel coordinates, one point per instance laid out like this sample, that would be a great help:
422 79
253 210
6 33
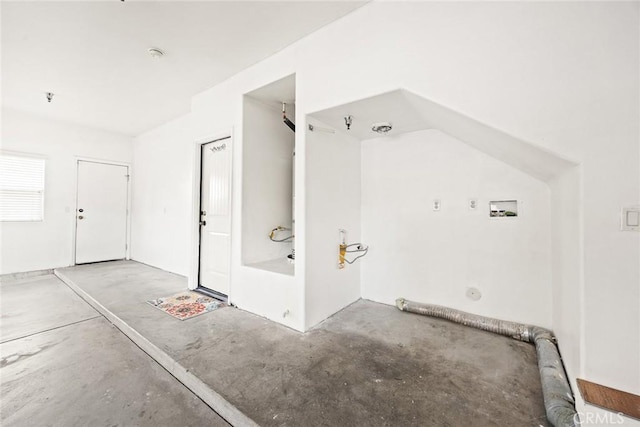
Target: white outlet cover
630 218
473 204
436 204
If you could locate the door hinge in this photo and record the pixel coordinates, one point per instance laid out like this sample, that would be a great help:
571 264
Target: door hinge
128 177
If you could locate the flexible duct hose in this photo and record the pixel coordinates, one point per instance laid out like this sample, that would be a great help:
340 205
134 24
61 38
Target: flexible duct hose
558 399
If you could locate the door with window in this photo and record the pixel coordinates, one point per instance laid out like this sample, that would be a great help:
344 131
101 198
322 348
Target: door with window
215 217
101 212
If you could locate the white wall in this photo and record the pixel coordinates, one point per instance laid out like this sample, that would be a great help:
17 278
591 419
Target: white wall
333 203
279 297
562 75
267 181
162 196
435 256
492 61
29 246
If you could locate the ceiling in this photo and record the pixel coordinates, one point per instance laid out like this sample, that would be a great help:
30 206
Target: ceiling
275 93
390 107
93 54
409 112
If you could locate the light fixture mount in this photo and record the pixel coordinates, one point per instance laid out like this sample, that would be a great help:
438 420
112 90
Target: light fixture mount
347 121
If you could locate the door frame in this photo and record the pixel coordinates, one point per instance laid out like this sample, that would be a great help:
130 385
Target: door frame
74 214
194 270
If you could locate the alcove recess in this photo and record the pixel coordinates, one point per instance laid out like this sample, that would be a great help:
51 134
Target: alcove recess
268 153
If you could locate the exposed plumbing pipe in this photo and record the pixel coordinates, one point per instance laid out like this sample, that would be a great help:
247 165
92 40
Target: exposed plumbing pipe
558 398
313 128
286 121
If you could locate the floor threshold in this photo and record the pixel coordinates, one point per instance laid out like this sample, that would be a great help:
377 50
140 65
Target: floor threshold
213 399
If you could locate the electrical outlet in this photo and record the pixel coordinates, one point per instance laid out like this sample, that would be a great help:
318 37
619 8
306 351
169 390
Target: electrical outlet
473 204
436 204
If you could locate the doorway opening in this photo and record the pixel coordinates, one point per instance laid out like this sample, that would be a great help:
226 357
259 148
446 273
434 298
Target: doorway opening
214 256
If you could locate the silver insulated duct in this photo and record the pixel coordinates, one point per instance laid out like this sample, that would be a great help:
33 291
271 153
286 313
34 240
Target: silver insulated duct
558 399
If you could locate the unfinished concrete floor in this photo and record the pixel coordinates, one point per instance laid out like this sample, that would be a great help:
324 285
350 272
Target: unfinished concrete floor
63 364
369 364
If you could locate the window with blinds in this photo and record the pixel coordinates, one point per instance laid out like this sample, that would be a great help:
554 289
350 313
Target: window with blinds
21 188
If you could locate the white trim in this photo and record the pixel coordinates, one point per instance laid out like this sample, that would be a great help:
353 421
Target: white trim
192 278
24 154
74 216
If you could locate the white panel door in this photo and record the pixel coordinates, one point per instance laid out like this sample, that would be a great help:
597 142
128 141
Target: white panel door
215 216
101 212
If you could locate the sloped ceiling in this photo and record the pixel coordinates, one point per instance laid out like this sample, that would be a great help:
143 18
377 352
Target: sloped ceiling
408 112
93 54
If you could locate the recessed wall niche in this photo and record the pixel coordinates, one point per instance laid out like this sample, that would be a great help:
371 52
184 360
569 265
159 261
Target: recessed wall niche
503 208
268 146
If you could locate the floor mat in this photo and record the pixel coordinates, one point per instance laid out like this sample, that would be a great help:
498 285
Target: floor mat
186 305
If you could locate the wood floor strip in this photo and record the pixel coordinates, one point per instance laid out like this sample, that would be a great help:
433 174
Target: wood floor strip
610 398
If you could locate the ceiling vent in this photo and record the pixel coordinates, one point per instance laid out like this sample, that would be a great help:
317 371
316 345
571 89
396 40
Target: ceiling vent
382 127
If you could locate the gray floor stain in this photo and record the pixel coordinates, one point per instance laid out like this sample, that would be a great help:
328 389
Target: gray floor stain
23 355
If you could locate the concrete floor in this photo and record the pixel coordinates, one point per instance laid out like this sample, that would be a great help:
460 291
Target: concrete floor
23 302
63 364
368 365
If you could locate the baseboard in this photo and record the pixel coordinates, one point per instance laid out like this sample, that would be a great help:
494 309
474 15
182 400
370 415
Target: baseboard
610 399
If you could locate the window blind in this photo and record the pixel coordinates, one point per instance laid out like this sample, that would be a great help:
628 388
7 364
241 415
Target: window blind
21 188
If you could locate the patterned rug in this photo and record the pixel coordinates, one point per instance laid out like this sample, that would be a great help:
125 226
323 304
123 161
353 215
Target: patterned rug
186 305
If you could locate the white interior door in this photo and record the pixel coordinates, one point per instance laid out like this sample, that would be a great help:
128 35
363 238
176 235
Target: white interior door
101 212
215 216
